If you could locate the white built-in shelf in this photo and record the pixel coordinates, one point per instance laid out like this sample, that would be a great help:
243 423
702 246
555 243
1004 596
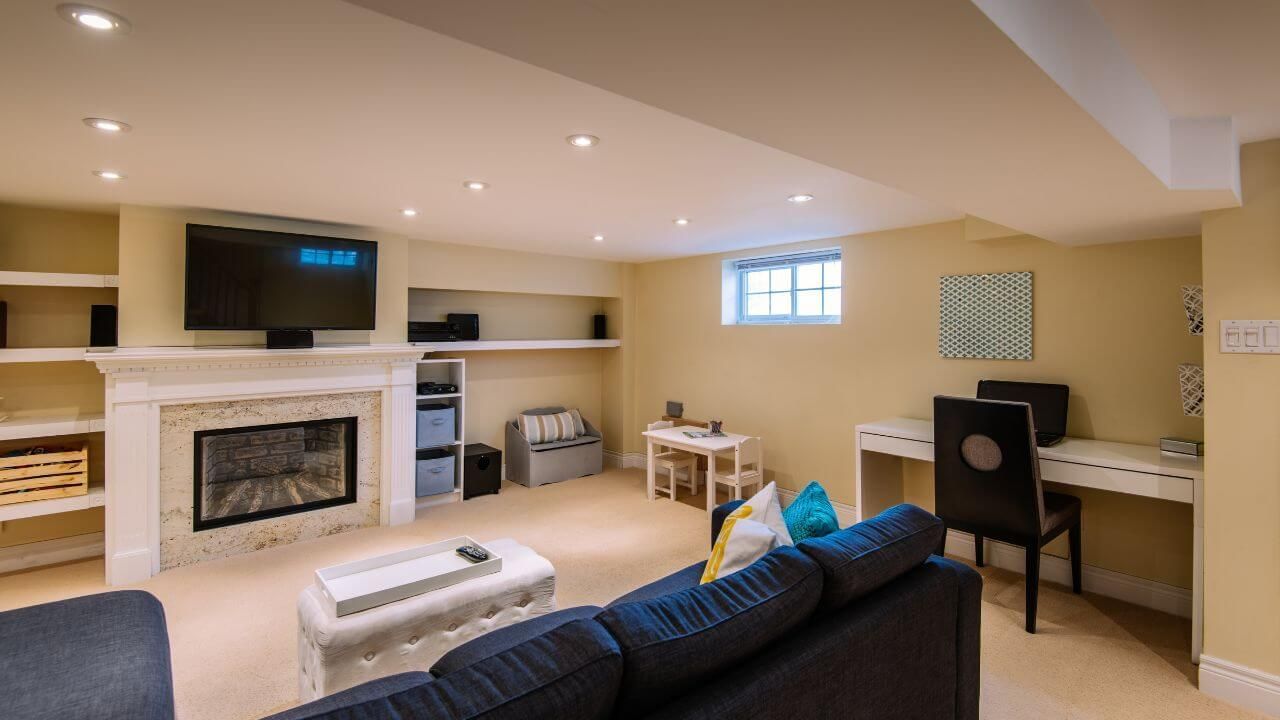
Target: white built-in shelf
51 426
444 498
9 277
475 345
49 354
97 497
455 443
440 397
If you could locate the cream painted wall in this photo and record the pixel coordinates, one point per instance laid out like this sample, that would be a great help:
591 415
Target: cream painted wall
511 316
1242 424
462 267
152 274
1108 321
501 384
619 417
36 239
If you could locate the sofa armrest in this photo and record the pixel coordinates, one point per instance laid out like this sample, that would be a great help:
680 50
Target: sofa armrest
719 515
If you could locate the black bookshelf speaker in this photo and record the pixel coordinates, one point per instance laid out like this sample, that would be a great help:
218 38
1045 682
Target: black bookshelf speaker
468 325
600 327
102 326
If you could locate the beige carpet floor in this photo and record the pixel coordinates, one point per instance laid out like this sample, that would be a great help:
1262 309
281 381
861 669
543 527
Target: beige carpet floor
231 621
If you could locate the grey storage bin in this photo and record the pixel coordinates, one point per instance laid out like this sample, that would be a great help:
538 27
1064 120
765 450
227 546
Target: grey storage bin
434 472
436 425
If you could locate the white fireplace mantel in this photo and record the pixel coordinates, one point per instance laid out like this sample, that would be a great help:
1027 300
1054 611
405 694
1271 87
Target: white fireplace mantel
140 381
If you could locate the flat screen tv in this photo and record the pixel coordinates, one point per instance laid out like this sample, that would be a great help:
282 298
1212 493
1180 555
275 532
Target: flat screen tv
241 279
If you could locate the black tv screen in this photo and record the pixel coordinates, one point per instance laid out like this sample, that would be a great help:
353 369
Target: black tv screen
257 280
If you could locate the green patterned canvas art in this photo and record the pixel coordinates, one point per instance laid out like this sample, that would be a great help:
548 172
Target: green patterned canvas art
985 316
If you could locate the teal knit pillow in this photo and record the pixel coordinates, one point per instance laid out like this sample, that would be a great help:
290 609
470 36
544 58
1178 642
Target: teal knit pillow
810 515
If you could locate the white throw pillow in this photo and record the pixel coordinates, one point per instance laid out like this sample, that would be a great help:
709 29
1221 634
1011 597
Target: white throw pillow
748 534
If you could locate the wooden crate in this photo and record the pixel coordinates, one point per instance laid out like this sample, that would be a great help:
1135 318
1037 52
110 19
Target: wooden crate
45 476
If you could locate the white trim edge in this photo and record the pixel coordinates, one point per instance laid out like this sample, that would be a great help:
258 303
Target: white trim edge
49 552
1240 685
1139 591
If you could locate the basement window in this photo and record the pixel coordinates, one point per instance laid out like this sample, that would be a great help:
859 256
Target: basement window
792 289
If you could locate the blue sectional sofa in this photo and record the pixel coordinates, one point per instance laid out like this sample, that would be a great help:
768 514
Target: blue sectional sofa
862 623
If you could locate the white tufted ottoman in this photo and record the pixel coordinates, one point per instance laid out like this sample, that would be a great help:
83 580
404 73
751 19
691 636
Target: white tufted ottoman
411 634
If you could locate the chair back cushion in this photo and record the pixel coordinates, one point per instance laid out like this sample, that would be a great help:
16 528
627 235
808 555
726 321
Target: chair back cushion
672 643
987 471
571 672
861 558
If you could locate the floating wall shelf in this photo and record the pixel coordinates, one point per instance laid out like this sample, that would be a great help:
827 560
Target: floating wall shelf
477 345
51 426
8 277
31 355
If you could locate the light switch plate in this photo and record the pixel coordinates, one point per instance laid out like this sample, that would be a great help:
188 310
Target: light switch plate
1250 336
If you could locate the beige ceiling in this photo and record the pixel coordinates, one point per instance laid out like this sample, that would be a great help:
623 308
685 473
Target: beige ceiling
927 96
322 110
1207 58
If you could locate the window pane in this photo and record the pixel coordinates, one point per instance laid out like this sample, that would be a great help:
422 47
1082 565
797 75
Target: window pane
781 279
809 276
809 302
780 303
758 304
758 281
831 275
831 302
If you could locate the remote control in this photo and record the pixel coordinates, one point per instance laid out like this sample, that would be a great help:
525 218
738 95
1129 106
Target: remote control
472 553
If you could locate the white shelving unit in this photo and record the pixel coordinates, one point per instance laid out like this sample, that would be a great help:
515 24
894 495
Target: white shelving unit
97 497
42 279
478 345
21 428
48 354
454 372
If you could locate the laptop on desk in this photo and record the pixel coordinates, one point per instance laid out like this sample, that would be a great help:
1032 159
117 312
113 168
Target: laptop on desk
1048 405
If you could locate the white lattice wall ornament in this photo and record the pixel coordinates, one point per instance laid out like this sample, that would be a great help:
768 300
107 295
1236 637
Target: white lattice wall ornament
1193 305
985 316
1191 380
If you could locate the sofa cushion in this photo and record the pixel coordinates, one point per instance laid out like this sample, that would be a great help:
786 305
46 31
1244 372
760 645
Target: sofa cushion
863 557
547 427
675 582
568 673
354 699
672 643
583 440
98 656
503 639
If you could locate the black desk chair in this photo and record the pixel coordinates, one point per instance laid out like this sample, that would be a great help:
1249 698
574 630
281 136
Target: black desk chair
987 482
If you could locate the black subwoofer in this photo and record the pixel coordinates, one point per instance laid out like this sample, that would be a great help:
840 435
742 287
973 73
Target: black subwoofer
481 470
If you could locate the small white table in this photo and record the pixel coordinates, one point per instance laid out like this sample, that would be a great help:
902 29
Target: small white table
708 447
1115 467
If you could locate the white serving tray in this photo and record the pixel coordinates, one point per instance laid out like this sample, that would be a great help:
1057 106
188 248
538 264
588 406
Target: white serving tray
363 584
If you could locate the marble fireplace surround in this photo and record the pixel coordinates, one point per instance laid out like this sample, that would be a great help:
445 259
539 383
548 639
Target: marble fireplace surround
142 382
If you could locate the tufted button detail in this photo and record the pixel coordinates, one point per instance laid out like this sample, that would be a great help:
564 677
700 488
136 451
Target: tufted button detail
413 640
523 602
453 626
368 656
489 615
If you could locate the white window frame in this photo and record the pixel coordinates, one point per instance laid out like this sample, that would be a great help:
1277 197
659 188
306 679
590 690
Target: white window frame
739 269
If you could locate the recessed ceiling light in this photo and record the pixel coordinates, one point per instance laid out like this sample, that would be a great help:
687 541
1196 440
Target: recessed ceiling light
93 18
408 212
475 185
801 198
681 221
598 238
107 126
582 140
109 174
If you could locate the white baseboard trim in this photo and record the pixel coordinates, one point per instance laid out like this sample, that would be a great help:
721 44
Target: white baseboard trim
1139 591
1240 685
49 552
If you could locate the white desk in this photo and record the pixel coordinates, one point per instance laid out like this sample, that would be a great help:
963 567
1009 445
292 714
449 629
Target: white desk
1116 467
675 438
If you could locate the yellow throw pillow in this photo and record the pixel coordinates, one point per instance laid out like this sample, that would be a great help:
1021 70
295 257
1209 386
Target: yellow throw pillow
748 534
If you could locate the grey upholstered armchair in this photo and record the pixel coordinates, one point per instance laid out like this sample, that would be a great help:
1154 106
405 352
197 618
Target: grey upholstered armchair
544 463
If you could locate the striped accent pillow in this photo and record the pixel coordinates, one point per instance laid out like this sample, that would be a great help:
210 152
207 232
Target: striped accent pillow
538 429
578 427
